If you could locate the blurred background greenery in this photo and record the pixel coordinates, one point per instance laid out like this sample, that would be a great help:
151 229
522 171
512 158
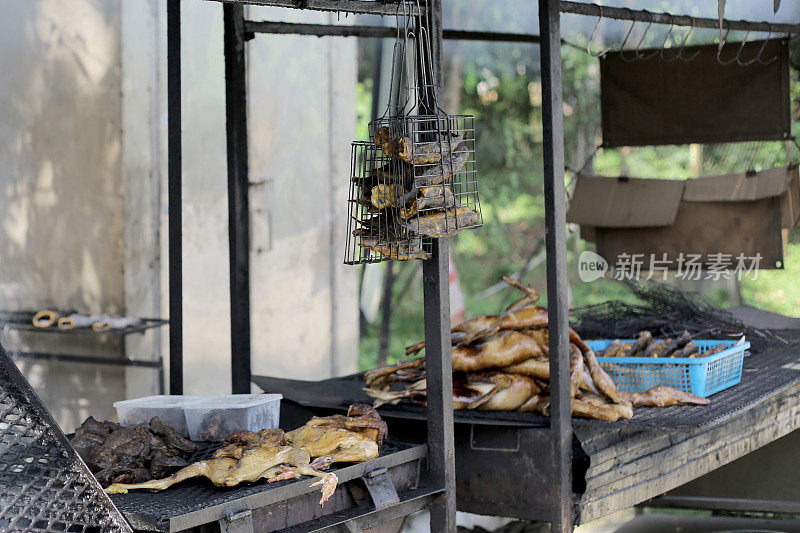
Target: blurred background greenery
500 85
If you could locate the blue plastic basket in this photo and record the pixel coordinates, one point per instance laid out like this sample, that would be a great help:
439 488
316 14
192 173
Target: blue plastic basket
702 376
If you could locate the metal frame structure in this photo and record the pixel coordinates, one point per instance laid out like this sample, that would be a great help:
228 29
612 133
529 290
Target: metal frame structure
146 324
555 203
440 454
440 438
555 208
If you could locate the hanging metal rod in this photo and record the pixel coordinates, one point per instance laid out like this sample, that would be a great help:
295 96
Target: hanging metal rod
91 359
323 30
342 6
594 10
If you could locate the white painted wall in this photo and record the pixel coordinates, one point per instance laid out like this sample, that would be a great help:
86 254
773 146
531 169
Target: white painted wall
142 174
302 120
205 209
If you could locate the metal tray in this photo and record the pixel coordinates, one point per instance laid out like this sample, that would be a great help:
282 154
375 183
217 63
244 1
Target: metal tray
771 367
269 506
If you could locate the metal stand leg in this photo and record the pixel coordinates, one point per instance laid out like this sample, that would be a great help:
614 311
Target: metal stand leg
555 241
174 186
238 200
436 284
441 454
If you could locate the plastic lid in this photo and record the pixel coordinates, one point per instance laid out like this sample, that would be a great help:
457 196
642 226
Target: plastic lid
234 401
159 400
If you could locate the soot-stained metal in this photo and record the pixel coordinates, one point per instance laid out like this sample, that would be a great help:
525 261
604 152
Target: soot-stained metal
44 484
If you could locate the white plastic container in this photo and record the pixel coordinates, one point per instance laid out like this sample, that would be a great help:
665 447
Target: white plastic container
211 419
168 408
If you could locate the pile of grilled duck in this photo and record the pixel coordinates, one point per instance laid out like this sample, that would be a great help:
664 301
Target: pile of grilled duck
411 194
646 346
500 363
274 455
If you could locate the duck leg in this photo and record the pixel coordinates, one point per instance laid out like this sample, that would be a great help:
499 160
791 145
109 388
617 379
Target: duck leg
217 470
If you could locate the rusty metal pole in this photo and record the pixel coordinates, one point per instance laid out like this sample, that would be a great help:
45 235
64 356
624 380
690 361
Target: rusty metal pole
238 200
556 245
174 189
436 286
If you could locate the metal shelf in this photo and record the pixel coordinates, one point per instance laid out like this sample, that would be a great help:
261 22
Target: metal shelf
147 323
91 359
20 321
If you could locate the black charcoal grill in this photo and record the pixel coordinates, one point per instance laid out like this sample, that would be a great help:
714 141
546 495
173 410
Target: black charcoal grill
44 485
503 460
365 487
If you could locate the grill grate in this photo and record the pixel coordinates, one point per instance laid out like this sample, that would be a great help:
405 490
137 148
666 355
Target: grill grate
771 367
153 510
44 485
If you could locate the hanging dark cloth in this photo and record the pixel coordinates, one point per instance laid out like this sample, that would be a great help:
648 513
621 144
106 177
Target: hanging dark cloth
653 101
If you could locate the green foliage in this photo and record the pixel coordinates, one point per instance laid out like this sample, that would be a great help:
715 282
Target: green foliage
501 87
363 108
777 290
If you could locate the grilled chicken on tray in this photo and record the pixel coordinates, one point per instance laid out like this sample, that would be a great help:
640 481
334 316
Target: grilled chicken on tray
500 363
274 455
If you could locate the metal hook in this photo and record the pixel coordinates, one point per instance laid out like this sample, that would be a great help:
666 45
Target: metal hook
625 40
666 38
683 44
739 52
763 46
719 49
639 54
591 39
657 51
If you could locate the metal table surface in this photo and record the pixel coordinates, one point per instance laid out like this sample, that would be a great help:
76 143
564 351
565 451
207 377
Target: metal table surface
769 369
502 459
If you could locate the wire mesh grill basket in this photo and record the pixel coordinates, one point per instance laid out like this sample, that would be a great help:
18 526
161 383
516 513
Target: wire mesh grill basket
44 485
415 179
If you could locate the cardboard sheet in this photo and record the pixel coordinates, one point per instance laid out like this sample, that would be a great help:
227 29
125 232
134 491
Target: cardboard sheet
779 181
624 202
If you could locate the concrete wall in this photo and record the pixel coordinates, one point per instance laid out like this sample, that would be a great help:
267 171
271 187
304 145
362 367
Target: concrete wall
83 214
301 121
60 211
143 170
